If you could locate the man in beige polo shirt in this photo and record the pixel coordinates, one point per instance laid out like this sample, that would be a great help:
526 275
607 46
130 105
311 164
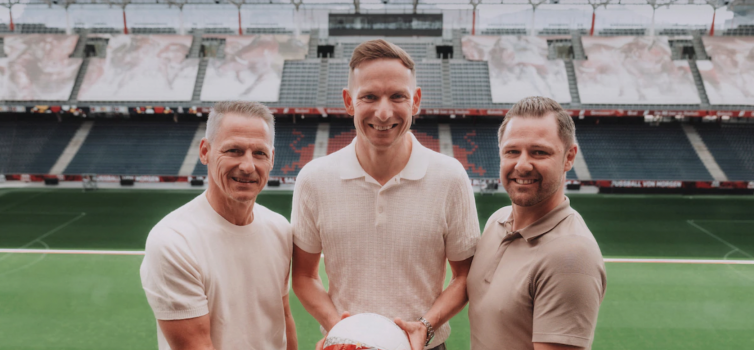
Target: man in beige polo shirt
386 212
538 277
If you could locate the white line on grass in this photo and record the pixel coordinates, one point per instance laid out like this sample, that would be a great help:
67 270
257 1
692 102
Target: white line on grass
608 260
691 222
41 257
48 233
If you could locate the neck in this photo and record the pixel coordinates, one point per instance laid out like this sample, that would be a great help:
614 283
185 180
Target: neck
235 212
525 216
381 164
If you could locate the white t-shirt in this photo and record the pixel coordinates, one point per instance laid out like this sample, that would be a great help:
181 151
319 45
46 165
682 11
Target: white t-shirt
197 262
385 246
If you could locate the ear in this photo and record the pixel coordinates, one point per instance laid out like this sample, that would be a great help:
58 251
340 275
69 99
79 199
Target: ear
417 101
348 102
272 159
571 157
204 151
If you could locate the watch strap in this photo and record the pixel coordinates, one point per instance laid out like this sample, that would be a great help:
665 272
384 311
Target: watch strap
430 330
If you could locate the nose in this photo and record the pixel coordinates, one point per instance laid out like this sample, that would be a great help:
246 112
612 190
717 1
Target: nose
384 110
523 164
247 164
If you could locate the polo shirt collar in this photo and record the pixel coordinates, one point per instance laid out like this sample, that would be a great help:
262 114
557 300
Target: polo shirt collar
545 224
415 169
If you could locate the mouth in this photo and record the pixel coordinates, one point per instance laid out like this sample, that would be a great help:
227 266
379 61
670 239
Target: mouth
382 127
525 181
244 181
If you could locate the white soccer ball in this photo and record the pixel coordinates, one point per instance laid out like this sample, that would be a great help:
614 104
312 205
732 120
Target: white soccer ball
366 331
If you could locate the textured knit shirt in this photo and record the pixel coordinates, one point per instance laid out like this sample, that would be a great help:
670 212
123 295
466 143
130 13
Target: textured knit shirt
386 246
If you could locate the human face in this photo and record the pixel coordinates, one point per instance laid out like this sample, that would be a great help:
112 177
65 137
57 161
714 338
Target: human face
240 158
382 97
533 160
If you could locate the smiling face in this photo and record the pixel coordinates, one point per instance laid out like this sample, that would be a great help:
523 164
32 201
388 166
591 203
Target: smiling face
240 157
382 96
534 160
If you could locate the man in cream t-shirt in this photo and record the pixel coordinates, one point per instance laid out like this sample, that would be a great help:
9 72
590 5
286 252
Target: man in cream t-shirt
216 269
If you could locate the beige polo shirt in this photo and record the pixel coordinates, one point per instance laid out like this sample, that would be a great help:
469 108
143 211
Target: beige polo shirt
385 246
543 283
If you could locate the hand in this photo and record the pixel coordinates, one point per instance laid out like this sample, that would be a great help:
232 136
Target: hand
321 343
416 332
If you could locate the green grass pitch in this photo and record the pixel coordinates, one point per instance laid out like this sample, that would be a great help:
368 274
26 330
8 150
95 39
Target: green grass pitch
96 301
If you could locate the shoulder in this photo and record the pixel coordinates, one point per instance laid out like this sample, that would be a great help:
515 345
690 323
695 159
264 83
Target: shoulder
574 250
501 214
320 169
445 167
178 228
271 217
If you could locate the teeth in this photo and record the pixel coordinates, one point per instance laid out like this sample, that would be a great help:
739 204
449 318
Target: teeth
383 128
525 181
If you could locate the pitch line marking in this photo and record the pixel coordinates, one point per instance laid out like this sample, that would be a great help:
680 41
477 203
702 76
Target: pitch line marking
48 233
41 257
607 260
691 222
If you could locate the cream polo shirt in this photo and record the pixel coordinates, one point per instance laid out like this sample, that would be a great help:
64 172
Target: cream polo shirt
543 283
197 262
385 247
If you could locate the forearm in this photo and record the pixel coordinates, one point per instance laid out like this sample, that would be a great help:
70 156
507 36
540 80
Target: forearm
315 300
450 302
290 326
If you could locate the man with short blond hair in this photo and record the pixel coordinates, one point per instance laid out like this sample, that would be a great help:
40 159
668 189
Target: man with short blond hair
538 277
215 270
386 212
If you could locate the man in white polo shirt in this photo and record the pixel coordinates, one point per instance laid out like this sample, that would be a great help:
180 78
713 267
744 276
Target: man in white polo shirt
216 269
386 212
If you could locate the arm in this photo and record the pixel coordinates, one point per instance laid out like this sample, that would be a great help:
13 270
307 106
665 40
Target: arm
448 304
309 288
290 326
553 346
187 334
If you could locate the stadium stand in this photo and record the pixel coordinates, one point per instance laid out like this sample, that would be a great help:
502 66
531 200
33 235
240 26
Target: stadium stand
639 152
470 84
476 148
341 135
732 146
38 67
727 76
741 30
121 148
294 147
337 79
141 68
429 78
152 30
300 83
29 146
427 135
4 28
37 28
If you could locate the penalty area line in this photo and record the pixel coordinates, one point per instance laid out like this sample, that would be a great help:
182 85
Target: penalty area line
607 260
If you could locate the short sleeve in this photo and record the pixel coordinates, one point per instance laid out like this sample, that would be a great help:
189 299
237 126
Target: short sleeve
567 299
462 220
171 277
304 217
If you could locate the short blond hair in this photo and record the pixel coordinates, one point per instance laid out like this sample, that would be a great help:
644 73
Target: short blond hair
537 107
244 108
377 49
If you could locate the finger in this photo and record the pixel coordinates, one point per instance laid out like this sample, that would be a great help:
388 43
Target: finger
345 314
320 344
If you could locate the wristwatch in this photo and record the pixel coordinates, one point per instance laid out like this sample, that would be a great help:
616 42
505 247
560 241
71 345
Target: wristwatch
430 330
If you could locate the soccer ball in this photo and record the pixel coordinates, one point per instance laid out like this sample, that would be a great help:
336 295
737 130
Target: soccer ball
366 331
